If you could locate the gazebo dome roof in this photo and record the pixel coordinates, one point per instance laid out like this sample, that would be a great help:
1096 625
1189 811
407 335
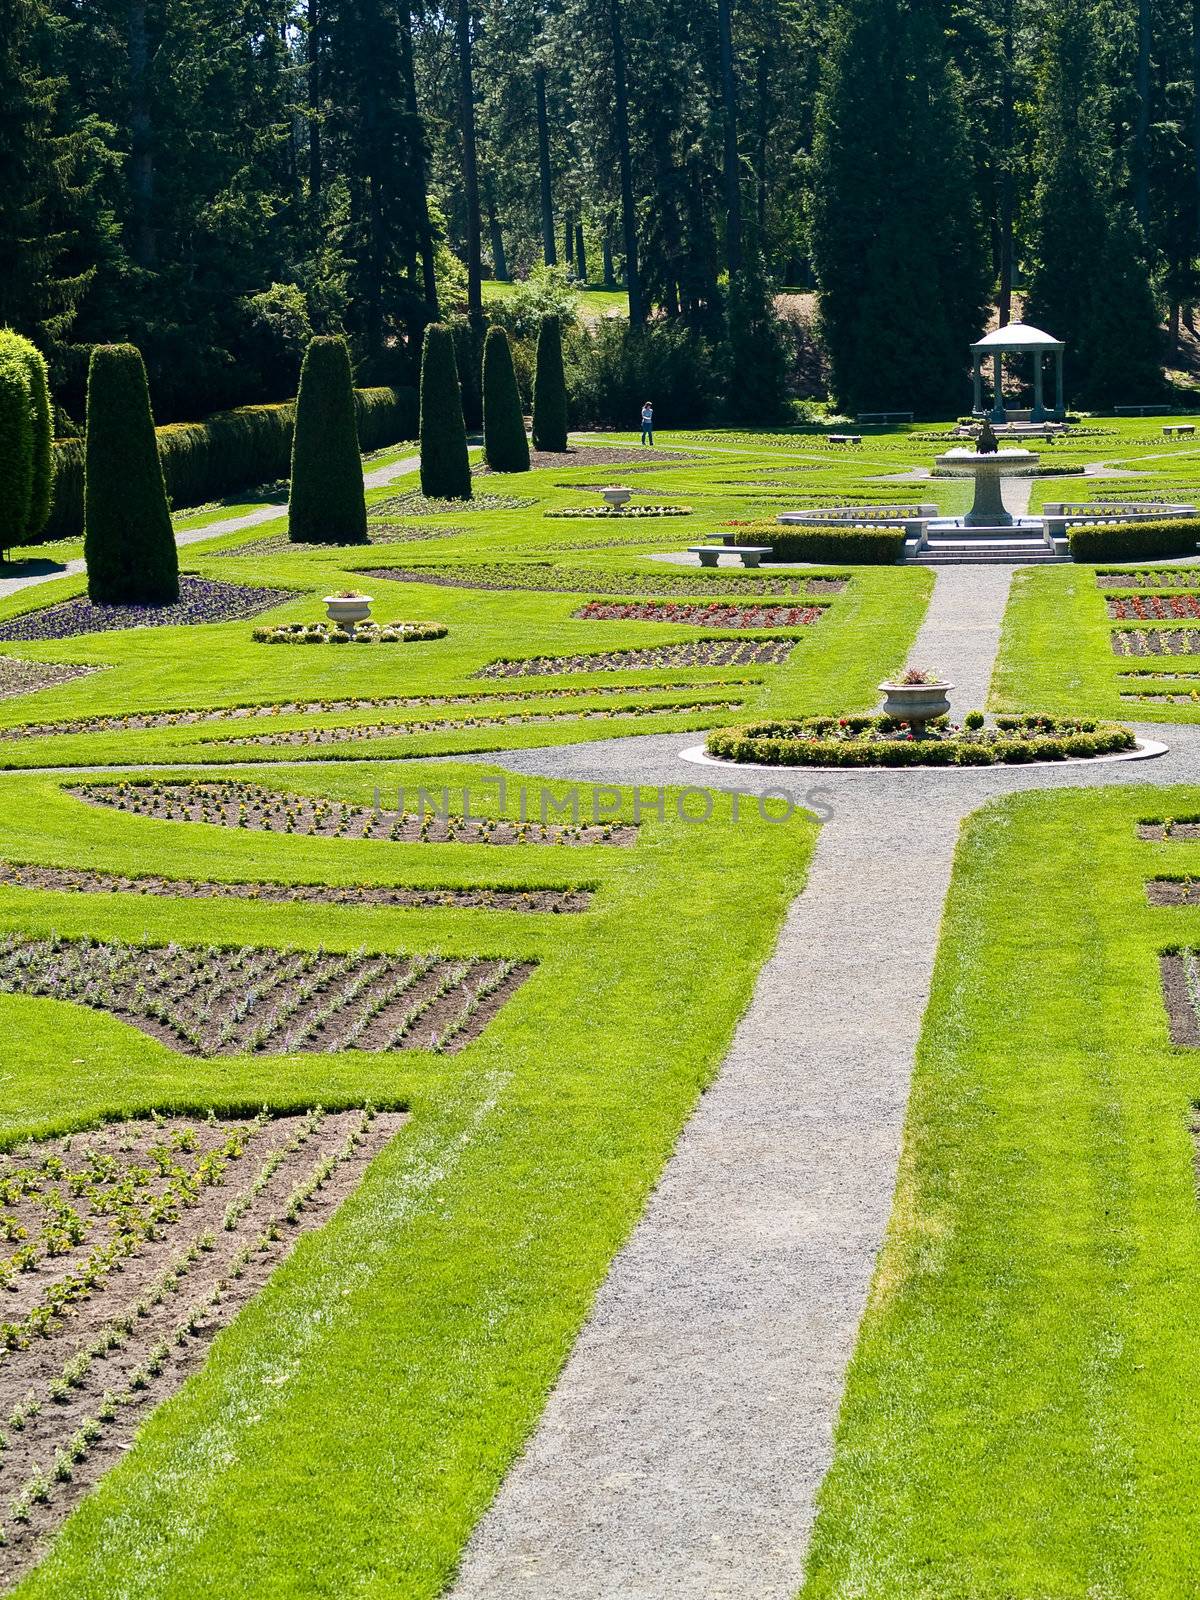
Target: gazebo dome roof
1017 336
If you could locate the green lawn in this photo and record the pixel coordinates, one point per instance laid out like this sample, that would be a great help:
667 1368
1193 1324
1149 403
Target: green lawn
594 300
1018 1420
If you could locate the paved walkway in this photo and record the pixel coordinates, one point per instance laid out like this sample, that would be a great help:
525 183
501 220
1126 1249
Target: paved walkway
682 1449
38 572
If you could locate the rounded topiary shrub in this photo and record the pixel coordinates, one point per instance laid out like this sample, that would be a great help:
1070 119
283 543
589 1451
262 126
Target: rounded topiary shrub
445 467
505 447
327 499
549 389
128 542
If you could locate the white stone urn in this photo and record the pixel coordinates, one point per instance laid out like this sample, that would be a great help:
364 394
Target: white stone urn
916 703
347 609
615 497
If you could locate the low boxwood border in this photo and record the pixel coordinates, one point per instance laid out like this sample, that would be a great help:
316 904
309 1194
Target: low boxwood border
359 633
1134 541
834 742
860 547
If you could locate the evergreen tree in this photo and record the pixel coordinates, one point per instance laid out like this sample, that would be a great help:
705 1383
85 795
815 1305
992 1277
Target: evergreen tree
1087 285
445 466
757 390
549 389
896 239
505 447
35 498
327 499
128 542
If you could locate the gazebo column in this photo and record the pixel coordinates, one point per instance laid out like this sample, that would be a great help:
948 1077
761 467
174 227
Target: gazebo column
1060 409
998 412
1038 414
977 380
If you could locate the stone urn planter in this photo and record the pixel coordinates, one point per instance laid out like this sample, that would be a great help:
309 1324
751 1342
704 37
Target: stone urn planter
916 703
615 497
347 609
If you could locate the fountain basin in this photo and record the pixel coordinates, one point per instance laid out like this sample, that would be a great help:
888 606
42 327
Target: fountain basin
988 510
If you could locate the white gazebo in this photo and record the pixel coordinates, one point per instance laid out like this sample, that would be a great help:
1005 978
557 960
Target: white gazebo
1018 338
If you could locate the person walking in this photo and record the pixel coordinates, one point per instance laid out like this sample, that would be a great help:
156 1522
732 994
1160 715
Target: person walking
648 423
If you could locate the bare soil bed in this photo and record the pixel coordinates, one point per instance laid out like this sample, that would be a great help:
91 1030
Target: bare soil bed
200 600
304 738
129 1246
1155 641
541 576
1181 993
27 677
278 544
249 805
1182 830
600 455
80 880
704 614
704 653
1173 892
209 1001
1154 607
140 721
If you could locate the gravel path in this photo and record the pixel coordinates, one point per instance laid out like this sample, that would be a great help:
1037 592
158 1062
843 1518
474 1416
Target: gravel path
681 1451
47 571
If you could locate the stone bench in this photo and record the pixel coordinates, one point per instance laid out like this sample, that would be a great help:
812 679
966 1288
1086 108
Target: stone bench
710 554
1178 430
845 438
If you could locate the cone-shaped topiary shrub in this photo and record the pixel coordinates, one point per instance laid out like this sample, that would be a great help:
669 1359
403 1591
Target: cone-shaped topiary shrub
549 389
128 542
505 447
445 469
38 493
16 449
327 501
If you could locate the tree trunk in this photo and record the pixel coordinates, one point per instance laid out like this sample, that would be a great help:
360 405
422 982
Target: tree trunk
633 283
733 185
1005 218
143 240
470 166
1141 127
312 44
420 157
580 254
543 143
610 277
569 240
1173 327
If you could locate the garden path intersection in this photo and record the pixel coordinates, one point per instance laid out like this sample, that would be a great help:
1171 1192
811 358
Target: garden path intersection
682 1449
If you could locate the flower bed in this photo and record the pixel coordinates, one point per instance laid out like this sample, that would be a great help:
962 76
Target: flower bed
1173 892
1179 830
416 504
81 880
703 614
1155 641
200 600
249 805
886 742
544 577
626 513
1151 578
278 544
1154 607
1180 973
704 653
27 677
207 1001
128 1247
353 633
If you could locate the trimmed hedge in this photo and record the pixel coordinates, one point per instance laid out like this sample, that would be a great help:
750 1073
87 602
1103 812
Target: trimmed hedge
327 501
505 447
128 541
1135 541
445 465
549 389
16 450
232 450
861 547
857 742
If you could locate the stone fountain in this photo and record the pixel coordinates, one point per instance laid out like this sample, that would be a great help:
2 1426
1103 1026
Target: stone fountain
988 465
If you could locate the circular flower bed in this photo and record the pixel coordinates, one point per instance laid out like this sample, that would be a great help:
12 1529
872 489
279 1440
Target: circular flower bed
886 742
360 633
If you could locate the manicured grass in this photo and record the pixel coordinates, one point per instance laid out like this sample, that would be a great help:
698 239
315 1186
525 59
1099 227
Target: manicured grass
593 300
1018 1418
353 1422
